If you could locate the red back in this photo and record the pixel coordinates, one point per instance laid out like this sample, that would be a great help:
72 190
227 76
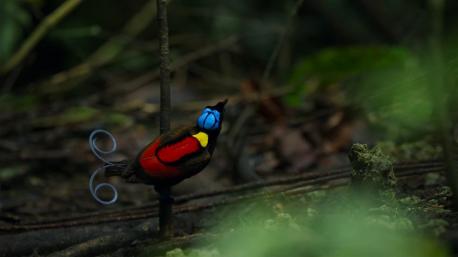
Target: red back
158 163
176 151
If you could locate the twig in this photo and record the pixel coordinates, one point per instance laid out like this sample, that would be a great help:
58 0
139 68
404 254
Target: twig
37 154
47 24
11 79
186 59
281 41
108 50
376 13
165 205
165 105
46 241
108 243
337 20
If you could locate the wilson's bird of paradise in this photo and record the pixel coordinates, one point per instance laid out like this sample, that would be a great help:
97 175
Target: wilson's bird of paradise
171 157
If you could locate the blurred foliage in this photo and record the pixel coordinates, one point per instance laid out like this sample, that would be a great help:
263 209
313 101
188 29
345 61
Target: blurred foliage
394 87
14 20
82 115
17 103
412 151
335 65
339 222
193 253
71 116
399 100
334 228
259 24
10 172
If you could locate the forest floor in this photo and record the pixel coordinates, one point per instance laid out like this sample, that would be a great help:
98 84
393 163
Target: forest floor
36 221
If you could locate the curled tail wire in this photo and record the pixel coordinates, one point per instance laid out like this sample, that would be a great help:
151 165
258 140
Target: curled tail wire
93 189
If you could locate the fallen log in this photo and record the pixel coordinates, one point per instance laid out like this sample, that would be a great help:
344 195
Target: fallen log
73 237
49 240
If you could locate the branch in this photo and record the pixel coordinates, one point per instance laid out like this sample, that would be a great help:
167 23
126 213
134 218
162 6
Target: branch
49 240
164 65
376 13
143 80
282 40
107 51
109 242
47 24
165 204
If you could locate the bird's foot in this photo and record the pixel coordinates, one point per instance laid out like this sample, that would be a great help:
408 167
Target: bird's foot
166 198
165 195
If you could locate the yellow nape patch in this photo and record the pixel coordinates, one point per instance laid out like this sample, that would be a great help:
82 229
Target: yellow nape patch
202 137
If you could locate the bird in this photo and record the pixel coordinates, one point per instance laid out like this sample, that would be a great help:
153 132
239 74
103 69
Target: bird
174 155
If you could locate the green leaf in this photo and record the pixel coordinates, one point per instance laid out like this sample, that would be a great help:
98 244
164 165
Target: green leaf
74 115
13 19
337 64
16 103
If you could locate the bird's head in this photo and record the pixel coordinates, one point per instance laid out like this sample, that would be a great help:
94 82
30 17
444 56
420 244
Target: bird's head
211 117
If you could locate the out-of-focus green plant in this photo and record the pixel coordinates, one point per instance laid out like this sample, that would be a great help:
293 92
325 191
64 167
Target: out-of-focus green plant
340 230
412 151
338 223
81 115
14 103
399 100
13 19
10 172
394 87
193 253
373 176
335 65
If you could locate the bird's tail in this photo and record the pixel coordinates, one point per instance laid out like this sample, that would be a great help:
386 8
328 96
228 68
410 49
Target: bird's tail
117 168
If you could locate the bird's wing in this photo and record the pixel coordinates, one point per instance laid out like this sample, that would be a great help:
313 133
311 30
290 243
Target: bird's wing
178 146
194 165
175 135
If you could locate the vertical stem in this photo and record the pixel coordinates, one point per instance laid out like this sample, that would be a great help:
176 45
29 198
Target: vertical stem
442 99
165 205
164 65
282 39
165 212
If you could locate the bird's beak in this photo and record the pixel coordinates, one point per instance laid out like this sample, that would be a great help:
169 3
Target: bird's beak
224 102
220 105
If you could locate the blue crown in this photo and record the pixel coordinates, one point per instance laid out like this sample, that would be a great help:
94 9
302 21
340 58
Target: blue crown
209 119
